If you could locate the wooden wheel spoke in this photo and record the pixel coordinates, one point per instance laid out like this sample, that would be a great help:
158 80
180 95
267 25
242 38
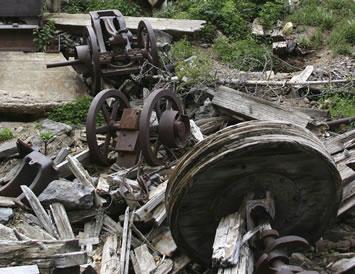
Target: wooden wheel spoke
102 129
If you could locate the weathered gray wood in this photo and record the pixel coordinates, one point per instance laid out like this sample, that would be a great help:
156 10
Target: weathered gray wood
124 241
229 236
63 168
245 264
172 26
159 214
145 260
196 131
163 267
165 244
142 237
25 252
8 149
179 263
7 201
302 77
129 241
103 188
250 107
99 221
135 263
33 232
154 200
38 210
26 269
79 172
109 261
62 154
340 142
7 233
342 266
70 259
79 216
62 221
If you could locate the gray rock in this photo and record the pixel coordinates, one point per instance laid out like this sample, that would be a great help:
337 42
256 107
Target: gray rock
163 40
73 195
55 127
207 110
5 215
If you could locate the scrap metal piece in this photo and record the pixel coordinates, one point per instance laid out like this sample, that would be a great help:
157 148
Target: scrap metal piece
108 105
36 171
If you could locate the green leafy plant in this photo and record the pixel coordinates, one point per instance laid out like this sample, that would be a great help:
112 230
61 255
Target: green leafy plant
304 42
74 113
243 54
83 6
271 12
199 65
46 136
5 134
317 39
339 105
43 35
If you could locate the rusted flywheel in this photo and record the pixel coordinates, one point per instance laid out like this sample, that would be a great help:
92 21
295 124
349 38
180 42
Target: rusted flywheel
147 43
162 125
89 39
212 179
109 105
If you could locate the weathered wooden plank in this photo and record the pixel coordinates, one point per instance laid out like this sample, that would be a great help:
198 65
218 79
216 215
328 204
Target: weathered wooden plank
79 216
171 26
155 198
21 252
302 77
70 259
62 154
159 214
254 108
124 241
7 201
342 266
38 210
7 149
62 221
340 142
163 267
63 168
109 261
25 269
179 263
165 244
145 260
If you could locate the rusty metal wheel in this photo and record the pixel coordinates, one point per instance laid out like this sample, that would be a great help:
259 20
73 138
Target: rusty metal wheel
212 179
147 43
161 126
89 38
107 104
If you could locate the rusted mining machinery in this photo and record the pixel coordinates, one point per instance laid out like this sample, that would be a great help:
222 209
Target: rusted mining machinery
291 180
109 49
18 20
156 130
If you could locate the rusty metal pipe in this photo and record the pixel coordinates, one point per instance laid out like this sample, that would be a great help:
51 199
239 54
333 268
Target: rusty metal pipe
341 121
64 64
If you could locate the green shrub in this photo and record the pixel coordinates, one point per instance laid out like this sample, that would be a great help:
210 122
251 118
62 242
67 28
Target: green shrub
198 67
271 12
339 105
5 134
127 8
304 42
342 37
317 39
43 35
168 12
242 54
74 113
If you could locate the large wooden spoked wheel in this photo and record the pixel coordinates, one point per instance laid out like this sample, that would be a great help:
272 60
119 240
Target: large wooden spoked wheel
213 178
109 105
89 38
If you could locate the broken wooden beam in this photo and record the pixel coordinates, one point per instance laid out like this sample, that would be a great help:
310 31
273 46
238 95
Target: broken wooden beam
62 221
109 260
176 27
249 107
63 168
